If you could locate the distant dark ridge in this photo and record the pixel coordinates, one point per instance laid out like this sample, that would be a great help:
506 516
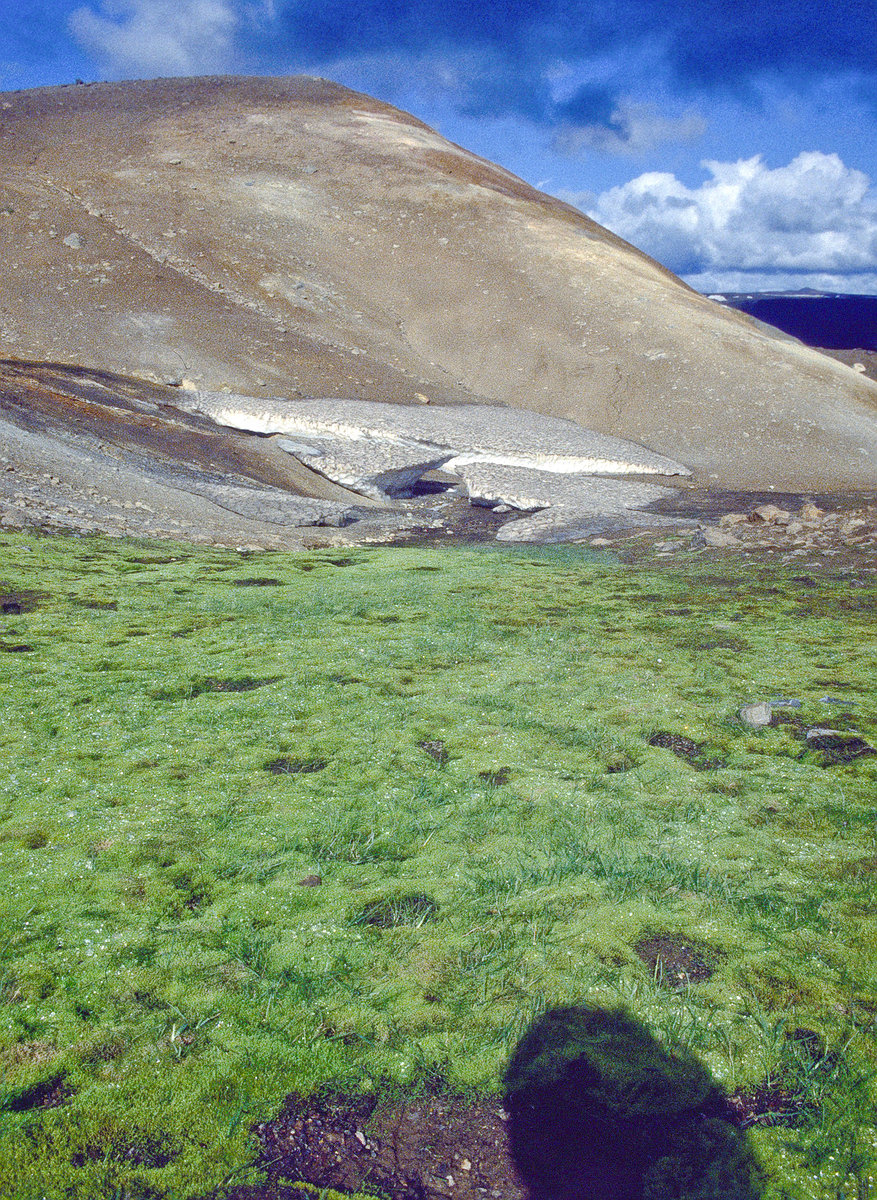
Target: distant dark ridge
830 322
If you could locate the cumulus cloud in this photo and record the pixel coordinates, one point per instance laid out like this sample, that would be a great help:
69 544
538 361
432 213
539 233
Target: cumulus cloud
813 222
162 37
632 128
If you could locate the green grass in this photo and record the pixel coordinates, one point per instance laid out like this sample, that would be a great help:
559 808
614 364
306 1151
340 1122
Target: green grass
163 972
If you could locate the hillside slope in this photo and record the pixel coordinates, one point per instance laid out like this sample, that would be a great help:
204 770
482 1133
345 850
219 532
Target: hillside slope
291 237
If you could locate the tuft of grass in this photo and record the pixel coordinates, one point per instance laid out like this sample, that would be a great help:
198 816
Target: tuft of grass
510 768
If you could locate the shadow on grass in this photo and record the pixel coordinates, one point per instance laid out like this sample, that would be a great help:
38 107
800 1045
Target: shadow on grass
599 1110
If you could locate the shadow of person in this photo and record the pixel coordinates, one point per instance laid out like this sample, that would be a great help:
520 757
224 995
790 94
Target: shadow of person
599 1110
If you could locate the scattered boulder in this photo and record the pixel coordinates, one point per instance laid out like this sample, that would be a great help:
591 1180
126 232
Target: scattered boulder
719 539
756 716
770 514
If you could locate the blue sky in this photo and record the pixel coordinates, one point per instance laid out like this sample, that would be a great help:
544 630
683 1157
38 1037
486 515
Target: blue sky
735 141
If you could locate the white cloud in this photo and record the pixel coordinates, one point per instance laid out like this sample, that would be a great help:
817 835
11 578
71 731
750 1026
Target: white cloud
812 223
166 37
633 128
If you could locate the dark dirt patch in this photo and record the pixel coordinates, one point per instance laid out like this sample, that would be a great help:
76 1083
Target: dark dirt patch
721 642
16 647
257 583
618 765
144 1151
35 839
683 747
786 716
768 1104
152 559
247 684
432 1148
311 881
436 749
13 603
48 1094
295 766
675 961
470 524
780 1099
496 778
837 747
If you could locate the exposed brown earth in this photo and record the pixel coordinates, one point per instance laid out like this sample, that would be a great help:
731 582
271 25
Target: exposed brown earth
435 1148
291 235
607 1123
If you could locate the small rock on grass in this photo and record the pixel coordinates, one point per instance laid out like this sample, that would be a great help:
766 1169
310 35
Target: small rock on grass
756 716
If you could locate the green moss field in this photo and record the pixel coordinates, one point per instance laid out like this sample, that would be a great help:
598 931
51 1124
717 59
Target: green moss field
458 742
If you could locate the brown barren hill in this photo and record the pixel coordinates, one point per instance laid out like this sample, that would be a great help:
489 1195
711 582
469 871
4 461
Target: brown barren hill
287 236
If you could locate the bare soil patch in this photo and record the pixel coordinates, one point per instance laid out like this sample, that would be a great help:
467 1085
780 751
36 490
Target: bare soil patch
675 961
434 1148
686 749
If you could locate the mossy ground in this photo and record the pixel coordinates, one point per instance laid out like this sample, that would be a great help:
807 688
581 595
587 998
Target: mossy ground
164 979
